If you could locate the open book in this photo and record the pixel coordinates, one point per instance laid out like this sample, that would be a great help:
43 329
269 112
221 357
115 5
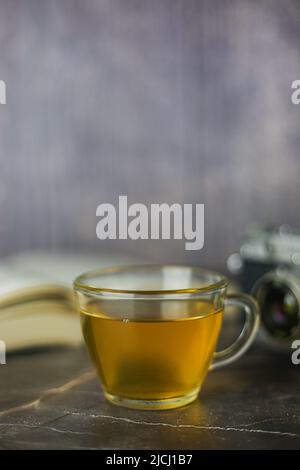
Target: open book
37 305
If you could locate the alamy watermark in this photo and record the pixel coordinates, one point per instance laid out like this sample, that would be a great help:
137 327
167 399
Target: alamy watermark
296 353
2 92
2 101
295 96
160 221
2 352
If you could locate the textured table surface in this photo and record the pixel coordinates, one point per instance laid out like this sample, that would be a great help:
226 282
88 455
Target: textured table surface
52 399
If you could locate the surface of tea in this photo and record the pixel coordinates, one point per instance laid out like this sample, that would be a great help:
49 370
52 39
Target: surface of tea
151 356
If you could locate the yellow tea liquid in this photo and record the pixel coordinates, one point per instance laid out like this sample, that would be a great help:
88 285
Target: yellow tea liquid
153 357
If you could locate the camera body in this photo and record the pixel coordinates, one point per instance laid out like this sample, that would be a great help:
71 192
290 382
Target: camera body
268 267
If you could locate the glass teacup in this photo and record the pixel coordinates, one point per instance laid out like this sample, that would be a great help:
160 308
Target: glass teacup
152 331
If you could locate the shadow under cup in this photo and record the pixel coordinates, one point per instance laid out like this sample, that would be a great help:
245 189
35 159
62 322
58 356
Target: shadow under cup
151 331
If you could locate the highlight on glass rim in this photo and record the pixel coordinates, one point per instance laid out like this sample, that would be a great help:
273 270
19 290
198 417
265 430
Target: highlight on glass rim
150 235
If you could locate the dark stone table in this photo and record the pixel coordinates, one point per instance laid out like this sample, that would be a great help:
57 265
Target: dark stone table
52 400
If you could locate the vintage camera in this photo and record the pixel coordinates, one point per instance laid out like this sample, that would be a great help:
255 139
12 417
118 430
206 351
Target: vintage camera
268 267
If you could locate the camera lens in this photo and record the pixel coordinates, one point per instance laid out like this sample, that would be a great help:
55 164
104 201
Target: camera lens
279 308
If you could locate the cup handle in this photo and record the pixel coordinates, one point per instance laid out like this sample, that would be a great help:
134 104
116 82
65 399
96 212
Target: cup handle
247 335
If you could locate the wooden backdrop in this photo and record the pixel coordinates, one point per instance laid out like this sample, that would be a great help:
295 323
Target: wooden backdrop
165 101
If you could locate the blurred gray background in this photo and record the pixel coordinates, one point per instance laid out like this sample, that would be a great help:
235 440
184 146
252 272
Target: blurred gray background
165 101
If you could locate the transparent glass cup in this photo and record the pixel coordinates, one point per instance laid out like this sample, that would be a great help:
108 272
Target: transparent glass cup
151 331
